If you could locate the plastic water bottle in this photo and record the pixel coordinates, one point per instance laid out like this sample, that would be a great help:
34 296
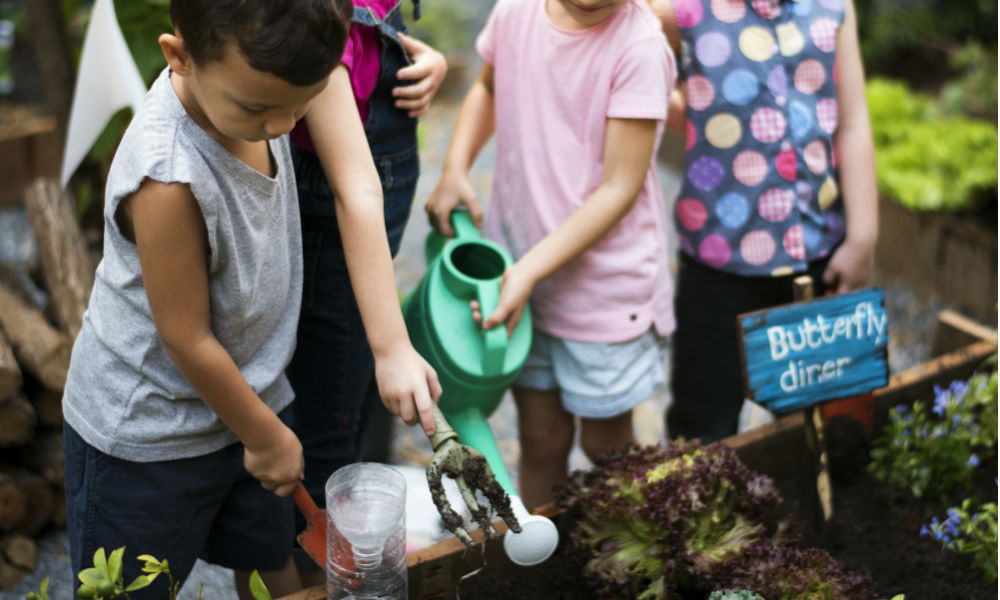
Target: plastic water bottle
366 533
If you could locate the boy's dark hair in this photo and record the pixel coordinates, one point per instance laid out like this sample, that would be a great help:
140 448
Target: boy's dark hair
300 41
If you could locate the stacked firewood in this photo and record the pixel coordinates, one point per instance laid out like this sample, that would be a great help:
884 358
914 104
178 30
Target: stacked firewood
35 348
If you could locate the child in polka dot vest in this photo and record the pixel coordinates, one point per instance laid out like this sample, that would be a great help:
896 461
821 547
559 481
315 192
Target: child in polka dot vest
779 179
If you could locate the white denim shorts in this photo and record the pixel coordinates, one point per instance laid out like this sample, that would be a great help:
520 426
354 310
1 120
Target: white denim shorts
597 380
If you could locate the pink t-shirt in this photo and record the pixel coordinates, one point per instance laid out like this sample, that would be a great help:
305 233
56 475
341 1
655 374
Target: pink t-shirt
361 57
554 92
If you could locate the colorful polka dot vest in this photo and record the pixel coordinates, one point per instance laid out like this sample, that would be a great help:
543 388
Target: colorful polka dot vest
760 194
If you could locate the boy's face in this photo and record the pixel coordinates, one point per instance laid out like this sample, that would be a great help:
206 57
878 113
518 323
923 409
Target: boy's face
586 13
230 98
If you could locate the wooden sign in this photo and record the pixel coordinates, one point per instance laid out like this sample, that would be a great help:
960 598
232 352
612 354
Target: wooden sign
801 354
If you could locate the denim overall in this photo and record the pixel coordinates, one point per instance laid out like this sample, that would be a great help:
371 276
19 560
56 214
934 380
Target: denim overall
332 371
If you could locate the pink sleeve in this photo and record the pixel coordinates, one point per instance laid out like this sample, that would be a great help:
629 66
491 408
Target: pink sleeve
486 41
644 78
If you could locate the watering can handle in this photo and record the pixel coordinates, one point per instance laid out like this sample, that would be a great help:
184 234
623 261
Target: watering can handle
494 340
461 222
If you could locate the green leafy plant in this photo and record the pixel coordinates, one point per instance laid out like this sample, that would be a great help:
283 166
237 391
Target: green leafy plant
734 595
926 161
105 579
969 529
933 450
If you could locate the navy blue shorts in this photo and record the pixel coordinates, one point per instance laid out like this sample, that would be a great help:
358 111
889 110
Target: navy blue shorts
206 507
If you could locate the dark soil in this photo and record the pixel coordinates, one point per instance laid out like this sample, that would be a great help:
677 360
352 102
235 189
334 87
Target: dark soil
868 534
873 535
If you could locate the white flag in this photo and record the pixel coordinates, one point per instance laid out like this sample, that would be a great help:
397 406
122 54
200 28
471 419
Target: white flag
107 81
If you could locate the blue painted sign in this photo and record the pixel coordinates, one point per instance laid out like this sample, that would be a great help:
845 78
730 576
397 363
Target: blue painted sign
801 354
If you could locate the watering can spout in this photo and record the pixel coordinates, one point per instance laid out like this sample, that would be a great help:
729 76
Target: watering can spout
537 540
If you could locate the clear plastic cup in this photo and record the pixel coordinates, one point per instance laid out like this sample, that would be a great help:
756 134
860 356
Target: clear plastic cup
366 533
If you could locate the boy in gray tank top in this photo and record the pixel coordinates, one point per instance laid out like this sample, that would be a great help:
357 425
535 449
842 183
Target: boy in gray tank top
173 439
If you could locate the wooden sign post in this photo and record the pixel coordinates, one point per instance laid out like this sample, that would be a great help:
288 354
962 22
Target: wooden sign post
797 356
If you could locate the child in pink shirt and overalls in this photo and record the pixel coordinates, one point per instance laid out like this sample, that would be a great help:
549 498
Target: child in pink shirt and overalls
576 94
356 168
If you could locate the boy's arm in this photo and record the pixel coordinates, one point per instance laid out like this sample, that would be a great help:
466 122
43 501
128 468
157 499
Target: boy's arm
851 265
171 241
628 151
474 128
407 384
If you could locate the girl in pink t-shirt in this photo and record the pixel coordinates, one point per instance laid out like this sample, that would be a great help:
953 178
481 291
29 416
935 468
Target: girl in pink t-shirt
576 93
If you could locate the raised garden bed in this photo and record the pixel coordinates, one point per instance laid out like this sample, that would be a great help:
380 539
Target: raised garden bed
942 255
867 535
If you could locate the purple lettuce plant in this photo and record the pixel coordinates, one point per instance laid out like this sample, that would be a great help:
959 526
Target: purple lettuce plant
653 519
661 523
780 571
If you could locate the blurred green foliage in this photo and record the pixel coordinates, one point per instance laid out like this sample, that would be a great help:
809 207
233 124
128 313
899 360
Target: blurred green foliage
446 25
974 90
927 160
941 47
890 28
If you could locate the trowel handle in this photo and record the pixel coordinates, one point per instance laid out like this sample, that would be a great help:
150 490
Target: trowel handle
494 340
461 222
307 505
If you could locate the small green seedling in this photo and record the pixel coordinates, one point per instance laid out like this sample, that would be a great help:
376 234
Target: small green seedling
104 580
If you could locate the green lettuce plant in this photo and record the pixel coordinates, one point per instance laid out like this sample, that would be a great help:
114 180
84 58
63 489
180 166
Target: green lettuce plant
734 595
926 161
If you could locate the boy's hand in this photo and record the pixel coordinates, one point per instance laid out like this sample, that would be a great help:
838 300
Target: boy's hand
850 267
428 69
453 189
277 464
408 386
515 291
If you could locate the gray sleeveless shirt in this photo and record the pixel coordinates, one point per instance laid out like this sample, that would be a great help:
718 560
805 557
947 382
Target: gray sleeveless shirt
123 395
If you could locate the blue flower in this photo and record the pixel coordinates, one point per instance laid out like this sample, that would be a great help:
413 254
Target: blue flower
940 404
902 409
958 388
972 462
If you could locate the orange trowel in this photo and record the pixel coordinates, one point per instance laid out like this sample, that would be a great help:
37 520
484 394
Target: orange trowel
313 537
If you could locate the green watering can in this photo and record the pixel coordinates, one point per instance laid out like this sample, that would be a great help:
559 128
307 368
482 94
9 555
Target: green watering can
475 367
